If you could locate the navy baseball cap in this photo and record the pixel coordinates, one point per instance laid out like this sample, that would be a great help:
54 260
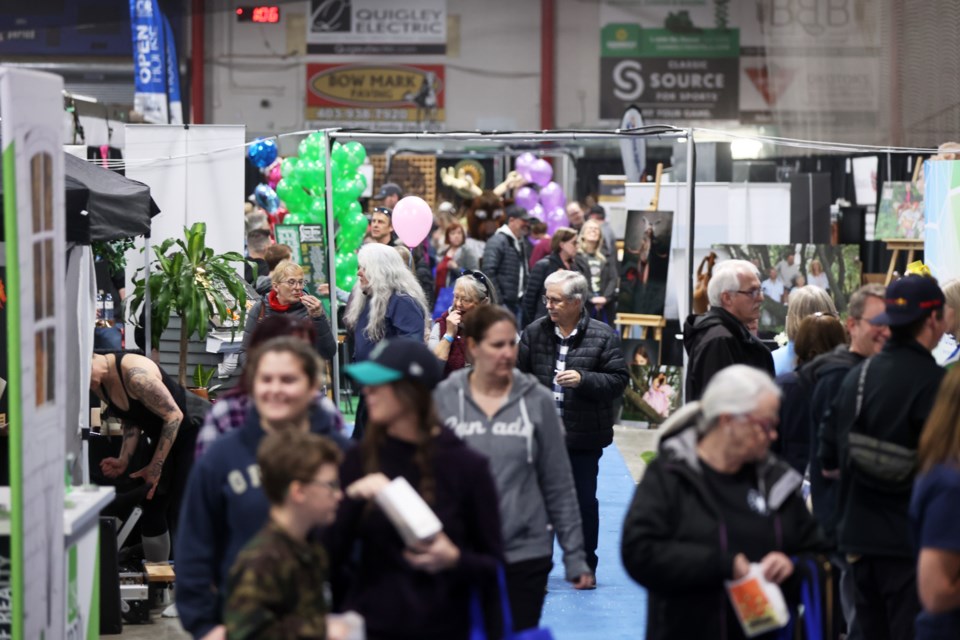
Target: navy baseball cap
908 299
388 189
398 359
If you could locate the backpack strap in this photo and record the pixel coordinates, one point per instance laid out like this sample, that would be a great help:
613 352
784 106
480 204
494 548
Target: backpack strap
861 383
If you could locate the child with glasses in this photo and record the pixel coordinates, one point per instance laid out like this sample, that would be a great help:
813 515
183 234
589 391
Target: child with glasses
276 586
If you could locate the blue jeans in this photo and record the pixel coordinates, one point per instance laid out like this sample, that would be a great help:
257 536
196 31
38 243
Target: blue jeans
585 464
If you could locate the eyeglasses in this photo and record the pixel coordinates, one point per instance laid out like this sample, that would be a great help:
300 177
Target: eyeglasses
752 293
333 485
548 301
769 425
293 283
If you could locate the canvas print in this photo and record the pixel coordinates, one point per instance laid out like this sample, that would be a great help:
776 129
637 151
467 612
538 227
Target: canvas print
653 394
941 248
900 215
834 268
641 353
646 259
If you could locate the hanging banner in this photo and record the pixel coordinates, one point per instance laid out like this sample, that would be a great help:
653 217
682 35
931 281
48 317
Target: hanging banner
149 61
377 27
33 259
388 95
633 151
766 62
173 75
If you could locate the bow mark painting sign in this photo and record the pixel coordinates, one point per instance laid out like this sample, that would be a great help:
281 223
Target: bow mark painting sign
377 27
391 96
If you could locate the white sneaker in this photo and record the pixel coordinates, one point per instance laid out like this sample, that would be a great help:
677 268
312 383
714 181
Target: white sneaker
170 612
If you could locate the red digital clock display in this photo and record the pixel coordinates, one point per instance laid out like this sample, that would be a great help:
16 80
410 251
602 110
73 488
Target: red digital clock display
265 14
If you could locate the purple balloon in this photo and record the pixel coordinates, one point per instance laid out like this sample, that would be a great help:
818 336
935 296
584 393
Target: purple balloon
552 196
555 219
537 212
523 164
541 172
526 198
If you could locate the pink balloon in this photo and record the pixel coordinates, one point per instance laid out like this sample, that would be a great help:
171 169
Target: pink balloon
274 175
412 219
523 164
555 219
526 198
541 172
552 196
537 212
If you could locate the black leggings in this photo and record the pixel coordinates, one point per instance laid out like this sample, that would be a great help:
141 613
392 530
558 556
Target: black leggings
526 591
160 514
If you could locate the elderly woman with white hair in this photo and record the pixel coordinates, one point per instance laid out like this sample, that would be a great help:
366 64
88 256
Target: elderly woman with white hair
802 302
713 502
386 302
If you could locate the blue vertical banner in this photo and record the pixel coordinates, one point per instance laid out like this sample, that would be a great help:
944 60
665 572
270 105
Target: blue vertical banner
149 61
173 75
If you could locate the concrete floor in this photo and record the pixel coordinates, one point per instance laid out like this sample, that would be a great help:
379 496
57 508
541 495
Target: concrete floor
631 441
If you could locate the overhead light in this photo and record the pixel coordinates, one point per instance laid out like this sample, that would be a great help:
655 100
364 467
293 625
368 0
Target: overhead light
745 149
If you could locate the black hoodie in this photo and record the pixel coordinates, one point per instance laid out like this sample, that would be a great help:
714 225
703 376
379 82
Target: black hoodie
676 540
716 340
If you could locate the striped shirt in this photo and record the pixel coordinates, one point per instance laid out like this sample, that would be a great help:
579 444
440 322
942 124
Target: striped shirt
561 365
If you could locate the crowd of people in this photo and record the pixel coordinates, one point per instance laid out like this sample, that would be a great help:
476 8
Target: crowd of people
491 383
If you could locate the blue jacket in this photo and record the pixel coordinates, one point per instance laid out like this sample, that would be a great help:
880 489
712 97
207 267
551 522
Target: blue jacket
404 319
223 508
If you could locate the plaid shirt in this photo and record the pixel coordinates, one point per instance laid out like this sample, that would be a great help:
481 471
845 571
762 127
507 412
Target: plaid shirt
562 348
230 412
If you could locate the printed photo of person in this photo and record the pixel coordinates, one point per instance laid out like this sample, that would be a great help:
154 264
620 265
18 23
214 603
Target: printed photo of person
646 258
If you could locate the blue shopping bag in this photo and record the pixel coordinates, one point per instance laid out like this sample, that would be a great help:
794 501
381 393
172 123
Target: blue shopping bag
479 632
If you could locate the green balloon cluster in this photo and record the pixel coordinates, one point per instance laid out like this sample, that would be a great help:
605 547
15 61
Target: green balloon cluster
303 191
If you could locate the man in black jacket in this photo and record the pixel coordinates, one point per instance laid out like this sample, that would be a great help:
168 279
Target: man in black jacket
720 338
891 405
579 358
505 259
824 375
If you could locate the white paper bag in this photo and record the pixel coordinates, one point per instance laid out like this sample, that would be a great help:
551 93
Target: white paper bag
758 602
413 518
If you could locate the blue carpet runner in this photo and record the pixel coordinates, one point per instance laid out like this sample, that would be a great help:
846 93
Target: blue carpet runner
617 608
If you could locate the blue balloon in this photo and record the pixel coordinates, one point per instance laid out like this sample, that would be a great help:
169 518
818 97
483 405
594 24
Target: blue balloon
266 198
262 152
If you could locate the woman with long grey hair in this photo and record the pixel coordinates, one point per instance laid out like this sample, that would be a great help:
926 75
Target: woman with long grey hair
386 302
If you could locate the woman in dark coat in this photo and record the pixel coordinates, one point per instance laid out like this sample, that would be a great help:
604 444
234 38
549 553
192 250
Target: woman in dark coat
601 272
563 255
287 296
712 503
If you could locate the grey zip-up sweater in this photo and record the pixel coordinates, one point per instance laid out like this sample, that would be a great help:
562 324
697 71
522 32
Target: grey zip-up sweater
525 443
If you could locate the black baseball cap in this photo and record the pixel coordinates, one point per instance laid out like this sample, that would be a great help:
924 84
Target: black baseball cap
513 211
388 189
398 359
908 298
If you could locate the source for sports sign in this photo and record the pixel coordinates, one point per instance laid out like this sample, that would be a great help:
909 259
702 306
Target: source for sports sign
395 96
377 27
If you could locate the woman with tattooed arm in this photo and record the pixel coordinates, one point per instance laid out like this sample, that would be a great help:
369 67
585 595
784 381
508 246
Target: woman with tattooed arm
148 402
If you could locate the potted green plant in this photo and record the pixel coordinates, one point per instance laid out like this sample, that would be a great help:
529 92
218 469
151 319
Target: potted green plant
189 280
201 382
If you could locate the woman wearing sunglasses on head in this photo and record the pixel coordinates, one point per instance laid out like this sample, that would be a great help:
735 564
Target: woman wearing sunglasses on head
288 296
471 290
511 418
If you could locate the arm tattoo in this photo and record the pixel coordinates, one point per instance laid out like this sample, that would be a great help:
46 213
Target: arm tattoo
151 391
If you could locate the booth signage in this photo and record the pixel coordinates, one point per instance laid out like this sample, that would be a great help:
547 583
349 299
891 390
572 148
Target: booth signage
375 93
377 27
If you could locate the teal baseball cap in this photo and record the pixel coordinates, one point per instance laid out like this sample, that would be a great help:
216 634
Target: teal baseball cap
398 359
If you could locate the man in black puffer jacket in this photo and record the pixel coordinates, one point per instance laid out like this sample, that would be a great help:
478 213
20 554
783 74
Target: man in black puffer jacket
579 358
720 338
505 259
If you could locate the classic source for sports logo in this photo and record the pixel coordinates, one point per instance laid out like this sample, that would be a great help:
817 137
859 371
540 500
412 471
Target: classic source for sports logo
376 86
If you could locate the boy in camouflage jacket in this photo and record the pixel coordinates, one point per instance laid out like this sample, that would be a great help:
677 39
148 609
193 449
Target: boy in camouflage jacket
276 586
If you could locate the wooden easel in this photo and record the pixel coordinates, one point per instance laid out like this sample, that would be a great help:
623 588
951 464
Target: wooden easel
896 245
626 321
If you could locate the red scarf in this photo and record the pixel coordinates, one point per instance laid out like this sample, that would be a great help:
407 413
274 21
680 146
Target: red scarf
275 303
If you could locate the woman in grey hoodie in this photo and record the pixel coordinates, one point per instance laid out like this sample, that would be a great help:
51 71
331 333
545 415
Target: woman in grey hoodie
508 416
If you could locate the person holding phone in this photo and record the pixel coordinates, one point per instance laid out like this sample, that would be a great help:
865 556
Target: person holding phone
288 296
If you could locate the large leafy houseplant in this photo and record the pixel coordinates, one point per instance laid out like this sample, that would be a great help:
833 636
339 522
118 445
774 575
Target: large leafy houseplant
189 280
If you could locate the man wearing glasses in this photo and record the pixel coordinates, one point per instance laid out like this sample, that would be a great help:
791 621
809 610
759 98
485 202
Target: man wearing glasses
720 337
